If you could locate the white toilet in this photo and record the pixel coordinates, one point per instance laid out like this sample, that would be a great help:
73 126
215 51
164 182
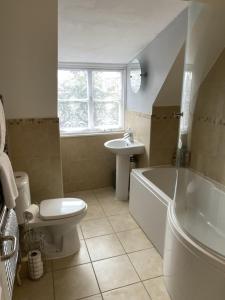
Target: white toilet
57 220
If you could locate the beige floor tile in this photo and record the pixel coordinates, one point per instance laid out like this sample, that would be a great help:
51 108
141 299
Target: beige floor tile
157 289
104 247
122 222
35 290
96 297
134 240
94 211
74 283
98 227
81 257
105 193
131 292
115 272
147 263
113 207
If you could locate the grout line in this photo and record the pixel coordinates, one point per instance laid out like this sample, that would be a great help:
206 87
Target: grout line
114 232
101 259
107 258
120 287
92 266
130 259
139 276
146 290
158 276
71 267
129 252
132 265
125 253
97 236
53 281
88 297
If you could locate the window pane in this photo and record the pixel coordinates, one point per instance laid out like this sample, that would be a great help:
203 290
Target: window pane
107 85
73 115
106 114
72 84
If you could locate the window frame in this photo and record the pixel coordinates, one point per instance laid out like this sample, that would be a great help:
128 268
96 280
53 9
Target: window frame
90 68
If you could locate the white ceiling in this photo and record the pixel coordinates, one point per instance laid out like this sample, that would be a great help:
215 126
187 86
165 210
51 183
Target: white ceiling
111 31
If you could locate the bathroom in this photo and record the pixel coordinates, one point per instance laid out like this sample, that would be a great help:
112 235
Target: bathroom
139 153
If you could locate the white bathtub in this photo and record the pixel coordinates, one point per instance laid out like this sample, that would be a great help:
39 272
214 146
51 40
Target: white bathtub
151 191
194 252
194 255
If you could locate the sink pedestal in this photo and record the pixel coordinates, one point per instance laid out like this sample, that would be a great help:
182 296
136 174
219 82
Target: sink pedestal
122 176
123 148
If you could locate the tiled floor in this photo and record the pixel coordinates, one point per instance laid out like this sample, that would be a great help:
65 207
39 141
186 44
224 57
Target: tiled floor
116 260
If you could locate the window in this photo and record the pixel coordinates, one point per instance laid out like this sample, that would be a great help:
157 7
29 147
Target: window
90 100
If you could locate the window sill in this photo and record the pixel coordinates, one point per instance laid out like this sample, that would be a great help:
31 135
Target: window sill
94 133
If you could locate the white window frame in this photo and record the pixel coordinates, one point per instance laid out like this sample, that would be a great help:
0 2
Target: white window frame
90 68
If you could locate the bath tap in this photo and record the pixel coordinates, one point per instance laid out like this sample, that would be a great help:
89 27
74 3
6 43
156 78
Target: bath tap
128 135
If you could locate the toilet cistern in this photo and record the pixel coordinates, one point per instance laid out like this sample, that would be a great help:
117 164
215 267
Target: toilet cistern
124 148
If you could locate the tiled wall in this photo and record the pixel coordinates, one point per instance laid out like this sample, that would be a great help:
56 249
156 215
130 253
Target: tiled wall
158 132
140 123
208 131
34 147
86 163
164 134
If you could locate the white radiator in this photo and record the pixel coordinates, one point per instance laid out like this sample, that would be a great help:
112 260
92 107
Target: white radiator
9 243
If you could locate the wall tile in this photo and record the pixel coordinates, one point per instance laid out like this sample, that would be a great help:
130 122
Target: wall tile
164 134
34 147
141 125
86 163
208 129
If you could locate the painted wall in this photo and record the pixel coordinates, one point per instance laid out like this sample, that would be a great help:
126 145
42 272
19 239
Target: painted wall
159 130
28 58
28 82
157 60
164 125
171 91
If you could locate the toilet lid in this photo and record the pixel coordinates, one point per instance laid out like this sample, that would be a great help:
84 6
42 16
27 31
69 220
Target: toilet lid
61 208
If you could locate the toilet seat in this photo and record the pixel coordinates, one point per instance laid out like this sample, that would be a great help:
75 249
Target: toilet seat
61 208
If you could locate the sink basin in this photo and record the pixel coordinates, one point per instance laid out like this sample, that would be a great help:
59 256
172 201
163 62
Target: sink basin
124 147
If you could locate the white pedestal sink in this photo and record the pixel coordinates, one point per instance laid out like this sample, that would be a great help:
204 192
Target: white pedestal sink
123 150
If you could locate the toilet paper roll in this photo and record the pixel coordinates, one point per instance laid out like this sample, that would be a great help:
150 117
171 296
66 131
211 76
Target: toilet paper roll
34 255
31 212
35 264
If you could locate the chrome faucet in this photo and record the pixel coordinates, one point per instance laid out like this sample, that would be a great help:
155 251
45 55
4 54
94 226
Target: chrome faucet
129 135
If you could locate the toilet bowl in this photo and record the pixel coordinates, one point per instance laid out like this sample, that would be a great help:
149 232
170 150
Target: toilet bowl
56 221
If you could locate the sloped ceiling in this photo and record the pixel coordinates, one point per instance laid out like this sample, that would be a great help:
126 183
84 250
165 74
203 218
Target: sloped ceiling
171 91
111 31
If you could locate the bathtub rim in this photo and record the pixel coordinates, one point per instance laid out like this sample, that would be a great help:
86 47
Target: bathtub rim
184 237
138 174
196 247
